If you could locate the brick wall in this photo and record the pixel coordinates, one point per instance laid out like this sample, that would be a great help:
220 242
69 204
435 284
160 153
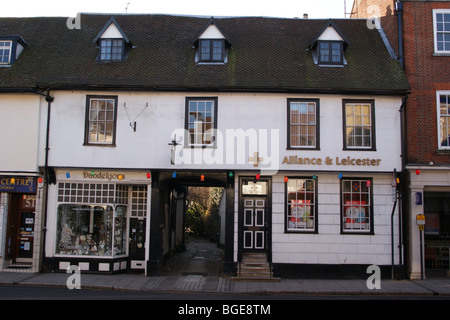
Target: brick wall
426 74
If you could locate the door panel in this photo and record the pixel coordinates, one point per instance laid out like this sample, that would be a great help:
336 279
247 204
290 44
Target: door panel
254 223
137 239
25 237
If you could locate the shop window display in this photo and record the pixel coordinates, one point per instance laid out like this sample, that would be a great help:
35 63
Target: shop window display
91 230
357 205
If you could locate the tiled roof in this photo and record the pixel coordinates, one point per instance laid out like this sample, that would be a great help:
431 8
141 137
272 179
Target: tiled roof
267 54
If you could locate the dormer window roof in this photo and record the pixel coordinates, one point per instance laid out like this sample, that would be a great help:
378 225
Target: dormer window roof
329 45
212 44
11 46
112 42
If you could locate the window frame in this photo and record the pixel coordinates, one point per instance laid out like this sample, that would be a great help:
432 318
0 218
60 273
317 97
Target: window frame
187 136
87 142
314 211
211 59
370 206
440 93
371 102
317 124
11 47
330 54
110 53
435 32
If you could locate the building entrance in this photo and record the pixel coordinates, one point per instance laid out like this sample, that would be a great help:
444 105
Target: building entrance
188 226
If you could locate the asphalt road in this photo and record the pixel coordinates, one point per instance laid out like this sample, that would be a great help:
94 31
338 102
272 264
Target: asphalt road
19 292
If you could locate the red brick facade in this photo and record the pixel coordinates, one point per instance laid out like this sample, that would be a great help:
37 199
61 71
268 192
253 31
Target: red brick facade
426 74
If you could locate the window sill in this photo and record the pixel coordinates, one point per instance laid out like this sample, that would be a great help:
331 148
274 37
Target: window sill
206 63
303 148
301 232
441 54
99 145
331 65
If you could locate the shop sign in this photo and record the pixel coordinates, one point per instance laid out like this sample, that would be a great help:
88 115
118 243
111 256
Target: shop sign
103 175
17 184
329 161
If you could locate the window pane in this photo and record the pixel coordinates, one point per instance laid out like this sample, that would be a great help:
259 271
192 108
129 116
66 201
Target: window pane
358 125
84 230
201 122
301 202
303 124
205 50
101 121
217 50
356 205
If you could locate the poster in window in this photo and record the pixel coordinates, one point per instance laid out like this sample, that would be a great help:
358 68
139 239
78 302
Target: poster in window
300 214
355 215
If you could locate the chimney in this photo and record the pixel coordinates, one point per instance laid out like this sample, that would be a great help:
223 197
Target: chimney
305 16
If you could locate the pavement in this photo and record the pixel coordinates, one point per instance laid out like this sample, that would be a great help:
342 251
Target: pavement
198 270
218 285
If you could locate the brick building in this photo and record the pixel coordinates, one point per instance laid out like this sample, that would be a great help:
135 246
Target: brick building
425 53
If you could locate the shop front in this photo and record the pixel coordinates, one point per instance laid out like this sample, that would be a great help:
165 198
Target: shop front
437 231
97 221
429 195
19 234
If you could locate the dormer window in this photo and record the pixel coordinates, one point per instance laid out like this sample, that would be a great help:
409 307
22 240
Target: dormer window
212 50
112 42
211 44
330 52
111 49
11 46
5 52
328 46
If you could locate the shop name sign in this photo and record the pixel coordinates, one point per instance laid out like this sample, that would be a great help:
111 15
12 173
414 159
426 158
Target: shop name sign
17 184
329 161
103 175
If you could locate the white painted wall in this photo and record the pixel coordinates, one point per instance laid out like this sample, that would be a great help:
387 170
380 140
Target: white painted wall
19 124
263 116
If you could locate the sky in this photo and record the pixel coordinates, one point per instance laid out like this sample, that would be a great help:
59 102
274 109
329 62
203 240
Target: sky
316 9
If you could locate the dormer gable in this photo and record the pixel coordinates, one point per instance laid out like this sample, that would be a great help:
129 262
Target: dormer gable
112 42
212 44
329 45
11 46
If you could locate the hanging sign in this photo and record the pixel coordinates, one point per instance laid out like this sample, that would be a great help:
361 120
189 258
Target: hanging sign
18 184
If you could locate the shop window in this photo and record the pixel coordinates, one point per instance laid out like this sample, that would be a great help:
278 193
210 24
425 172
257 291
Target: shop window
91 230
437 229
303 126
301 205
356 206
139 202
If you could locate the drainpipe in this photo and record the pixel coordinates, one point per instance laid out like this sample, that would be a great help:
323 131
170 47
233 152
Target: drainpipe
49 100
399 13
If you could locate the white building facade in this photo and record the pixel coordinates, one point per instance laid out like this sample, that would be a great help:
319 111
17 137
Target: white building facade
307 165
